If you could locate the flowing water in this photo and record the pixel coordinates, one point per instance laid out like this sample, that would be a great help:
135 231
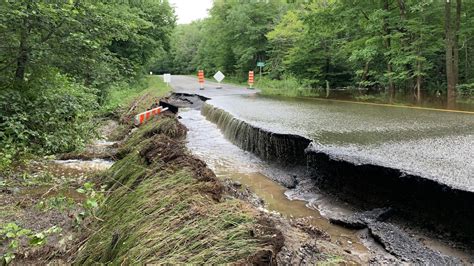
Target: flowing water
206 141
432 144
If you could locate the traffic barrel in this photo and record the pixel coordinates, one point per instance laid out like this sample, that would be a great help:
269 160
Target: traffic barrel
250 79
201 79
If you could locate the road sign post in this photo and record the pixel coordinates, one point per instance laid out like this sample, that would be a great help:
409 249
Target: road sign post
219 77
260 65
167 79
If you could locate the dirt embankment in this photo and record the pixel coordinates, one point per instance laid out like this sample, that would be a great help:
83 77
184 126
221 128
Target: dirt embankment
166 206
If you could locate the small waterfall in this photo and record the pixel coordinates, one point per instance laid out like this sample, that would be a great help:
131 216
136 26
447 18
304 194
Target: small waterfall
283 148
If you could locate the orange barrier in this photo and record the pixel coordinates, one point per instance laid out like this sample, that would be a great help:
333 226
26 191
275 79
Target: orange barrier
142 117
201 79
250 79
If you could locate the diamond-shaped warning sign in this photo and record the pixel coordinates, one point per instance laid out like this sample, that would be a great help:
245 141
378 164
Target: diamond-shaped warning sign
219 76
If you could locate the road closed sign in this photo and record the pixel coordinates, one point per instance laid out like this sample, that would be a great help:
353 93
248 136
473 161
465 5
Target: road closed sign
167 78
219 76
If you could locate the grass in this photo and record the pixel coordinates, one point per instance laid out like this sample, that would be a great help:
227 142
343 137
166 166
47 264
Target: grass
152 87
160 213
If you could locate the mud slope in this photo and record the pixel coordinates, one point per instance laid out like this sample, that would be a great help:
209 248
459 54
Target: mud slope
165 206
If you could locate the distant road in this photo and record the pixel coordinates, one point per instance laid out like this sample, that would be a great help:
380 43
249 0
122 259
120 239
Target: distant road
188 84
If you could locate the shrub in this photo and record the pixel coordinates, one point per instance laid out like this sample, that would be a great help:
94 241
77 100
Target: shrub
288 86
46 115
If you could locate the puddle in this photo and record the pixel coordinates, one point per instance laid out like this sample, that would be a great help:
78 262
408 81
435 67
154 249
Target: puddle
48 191
273 195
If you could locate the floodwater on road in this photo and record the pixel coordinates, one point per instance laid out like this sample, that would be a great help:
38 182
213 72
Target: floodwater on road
436 145
432 144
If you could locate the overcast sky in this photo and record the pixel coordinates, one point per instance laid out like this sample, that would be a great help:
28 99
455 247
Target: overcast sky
189 10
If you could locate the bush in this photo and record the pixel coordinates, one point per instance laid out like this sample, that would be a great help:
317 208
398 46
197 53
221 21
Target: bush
288 86
466 90
47 115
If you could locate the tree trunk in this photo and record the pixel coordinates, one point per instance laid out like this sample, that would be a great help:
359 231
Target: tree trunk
22 59
456 42
23 50
452 52
365 74
387 44
466 62
418 82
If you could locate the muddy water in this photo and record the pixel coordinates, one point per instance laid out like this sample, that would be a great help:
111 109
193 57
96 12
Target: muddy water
86 165
228 161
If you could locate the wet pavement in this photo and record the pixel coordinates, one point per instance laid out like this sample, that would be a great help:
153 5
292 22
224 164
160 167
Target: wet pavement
436 145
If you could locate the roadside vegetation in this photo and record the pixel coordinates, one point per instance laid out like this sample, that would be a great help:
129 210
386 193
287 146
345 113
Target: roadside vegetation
47 209
392 51
288 87
62 63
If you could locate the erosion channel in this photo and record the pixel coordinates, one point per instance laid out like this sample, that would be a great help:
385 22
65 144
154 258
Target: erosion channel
368 211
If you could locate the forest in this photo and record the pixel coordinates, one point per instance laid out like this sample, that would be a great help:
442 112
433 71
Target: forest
396 47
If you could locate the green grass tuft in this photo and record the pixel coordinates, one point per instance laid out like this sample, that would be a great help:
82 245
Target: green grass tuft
156 214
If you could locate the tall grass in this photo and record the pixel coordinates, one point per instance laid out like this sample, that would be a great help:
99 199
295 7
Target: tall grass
123 94
157 213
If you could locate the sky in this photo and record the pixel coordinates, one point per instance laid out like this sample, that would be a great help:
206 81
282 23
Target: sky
189 10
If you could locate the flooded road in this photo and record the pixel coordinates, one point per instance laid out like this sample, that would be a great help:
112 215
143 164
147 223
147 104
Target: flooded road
437 145
431 144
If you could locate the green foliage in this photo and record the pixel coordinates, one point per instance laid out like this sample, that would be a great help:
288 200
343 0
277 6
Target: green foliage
124 94
94 198
52 117
59 60
466 90
13 234
375 45
288 86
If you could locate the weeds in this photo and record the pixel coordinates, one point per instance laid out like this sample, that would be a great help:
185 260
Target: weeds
60 203
288 86
159 212
13 234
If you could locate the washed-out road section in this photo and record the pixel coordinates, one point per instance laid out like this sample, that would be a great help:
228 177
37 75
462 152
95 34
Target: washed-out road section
435 145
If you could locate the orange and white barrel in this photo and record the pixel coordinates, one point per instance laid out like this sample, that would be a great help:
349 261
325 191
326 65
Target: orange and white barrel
250 79
201 79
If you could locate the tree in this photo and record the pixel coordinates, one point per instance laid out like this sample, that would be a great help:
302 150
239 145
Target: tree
452 49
